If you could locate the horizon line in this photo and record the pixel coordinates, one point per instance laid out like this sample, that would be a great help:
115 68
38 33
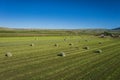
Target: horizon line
54 28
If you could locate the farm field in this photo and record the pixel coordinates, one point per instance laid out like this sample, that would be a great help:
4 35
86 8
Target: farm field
40 61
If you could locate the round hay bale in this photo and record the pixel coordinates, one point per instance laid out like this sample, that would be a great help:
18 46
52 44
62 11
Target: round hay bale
100 42
56 45
8 54
98 51
86 40
86 47
61 54
70 44
32 44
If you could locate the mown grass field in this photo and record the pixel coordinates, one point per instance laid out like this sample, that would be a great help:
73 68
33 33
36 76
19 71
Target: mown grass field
40 62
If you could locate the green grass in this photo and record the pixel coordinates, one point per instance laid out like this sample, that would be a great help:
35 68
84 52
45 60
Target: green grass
40 62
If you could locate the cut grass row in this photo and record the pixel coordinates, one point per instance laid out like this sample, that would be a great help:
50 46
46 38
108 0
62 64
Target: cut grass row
67 51
53 68
42 62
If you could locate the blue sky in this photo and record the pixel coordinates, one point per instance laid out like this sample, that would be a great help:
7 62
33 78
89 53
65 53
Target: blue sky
60 14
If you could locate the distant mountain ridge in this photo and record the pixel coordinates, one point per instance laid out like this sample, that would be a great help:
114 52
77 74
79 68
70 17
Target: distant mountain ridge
118 28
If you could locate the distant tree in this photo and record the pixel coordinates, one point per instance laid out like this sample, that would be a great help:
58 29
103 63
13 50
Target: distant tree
107 33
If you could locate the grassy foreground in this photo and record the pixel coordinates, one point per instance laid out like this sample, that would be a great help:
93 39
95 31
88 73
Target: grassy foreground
40 62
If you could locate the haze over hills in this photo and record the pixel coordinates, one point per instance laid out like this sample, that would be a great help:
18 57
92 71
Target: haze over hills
7 28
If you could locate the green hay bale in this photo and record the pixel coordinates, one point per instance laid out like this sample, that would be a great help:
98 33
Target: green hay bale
32 44
70 44
56 45
86 47
86 40
8 54
61 54
98 51
100 42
